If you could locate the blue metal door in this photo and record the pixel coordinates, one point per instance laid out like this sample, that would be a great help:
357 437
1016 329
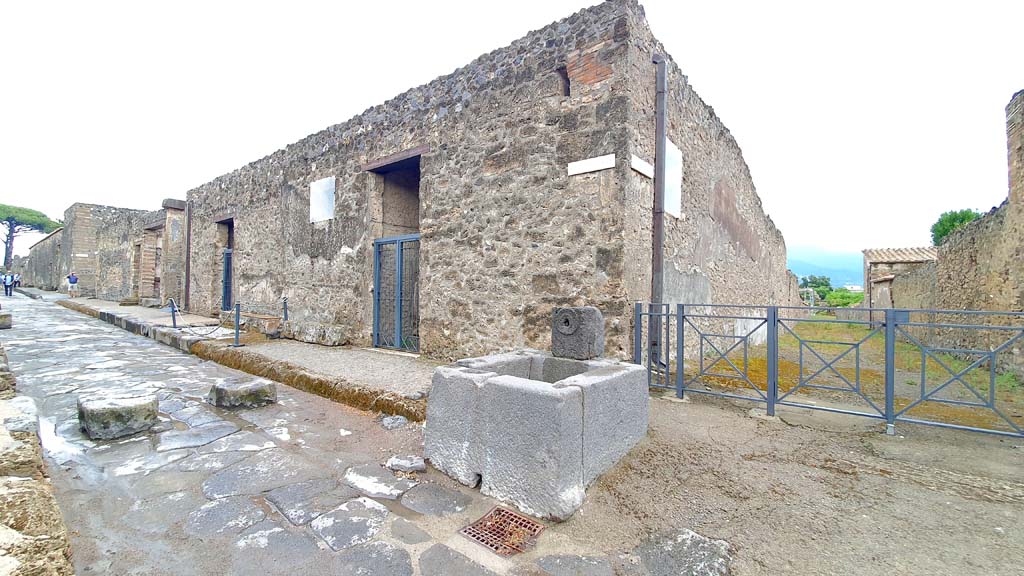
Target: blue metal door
396 313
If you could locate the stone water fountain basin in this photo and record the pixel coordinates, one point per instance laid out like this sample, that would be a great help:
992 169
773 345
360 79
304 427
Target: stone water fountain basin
532 429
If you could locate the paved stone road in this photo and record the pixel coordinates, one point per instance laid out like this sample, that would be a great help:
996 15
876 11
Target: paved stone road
295 487
292 488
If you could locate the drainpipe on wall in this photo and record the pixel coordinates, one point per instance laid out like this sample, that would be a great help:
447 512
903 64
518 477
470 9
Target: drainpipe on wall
654 333
658 242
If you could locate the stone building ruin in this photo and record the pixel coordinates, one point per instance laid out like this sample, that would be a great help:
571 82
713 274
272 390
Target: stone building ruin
453 218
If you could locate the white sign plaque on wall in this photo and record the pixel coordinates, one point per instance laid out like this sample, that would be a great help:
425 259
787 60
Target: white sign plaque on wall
673 179
321 200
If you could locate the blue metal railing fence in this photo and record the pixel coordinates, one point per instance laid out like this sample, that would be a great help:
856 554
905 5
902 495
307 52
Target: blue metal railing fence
964 366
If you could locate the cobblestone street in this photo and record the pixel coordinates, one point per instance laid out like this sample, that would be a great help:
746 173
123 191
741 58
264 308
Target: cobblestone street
275 490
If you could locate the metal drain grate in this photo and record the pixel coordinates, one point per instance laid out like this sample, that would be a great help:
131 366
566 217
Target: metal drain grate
503 531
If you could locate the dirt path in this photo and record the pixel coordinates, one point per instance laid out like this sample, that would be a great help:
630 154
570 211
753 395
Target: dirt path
817 493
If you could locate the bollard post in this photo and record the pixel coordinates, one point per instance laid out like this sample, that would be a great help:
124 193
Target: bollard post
284 304
772 325
174 317
238 320
680 348
638 335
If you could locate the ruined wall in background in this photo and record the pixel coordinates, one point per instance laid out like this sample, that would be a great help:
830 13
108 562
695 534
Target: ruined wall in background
173 249
912 288
43 267
506 234
115 235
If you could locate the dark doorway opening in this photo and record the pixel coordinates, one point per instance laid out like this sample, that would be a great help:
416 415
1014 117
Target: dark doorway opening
396 311
224 251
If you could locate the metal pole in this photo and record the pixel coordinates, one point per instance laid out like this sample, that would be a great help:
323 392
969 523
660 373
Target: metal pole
680 314
890 371
174 317
284 303
658 224
772 324
638 332
238 320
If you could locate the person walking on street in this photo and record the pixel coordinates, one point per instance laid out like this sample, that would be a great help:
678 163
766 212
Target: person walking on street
72 285
17 280
8 284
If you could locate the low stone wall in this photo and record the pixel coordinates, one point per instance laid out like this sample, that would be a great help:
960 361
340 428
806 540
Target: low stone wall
33 538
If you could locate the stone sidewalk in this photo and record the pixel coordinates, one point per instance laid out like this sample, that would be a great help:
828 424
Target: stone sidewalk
379 380
294 487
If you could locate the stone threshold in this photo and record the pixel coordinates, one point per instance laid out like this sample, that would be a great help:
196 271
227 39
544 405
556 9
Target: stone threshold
248 360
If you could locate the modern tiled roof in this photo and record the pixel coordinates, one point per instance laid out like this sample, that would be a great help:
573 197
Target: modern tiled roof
923 254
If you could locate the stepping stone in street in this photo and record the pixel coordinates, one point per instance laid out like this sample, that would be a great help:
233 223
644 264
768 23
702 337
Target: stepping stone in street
6 320
376 482
243 393
354 522
105 418
434 500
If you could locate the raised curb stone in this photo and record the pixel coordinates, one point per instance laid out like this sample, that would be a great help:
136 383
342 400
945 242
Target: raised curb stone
105 418
243 393
6 320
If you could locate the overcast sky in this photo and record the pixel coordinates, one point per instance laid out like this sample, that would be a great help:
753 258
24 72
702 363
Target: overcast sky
861 122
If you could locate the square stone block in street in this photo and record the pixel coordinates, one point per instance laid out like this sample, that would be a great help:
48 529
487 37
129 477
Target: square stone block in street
534 430
106 418
6 320
243 393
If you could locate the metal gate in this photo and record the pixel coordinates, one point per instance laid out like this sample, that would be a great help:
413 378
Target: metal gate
396 296
958 369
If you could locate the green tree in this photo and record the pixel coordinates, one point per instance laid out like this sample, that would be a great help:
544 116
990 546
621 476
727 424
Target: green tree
821 285
950 221
19 220
841 297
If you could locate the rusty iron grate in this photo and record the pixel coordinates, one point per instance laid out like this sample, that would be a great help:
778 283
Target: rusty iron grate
504 532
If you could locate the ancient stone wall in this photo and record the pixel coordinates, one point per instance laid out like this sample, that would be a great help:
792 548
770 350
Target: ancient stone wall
43 266
914 288
506 234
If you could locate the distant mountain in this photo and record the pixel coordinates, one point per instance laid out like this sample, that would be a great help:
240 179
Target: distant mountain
841 267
